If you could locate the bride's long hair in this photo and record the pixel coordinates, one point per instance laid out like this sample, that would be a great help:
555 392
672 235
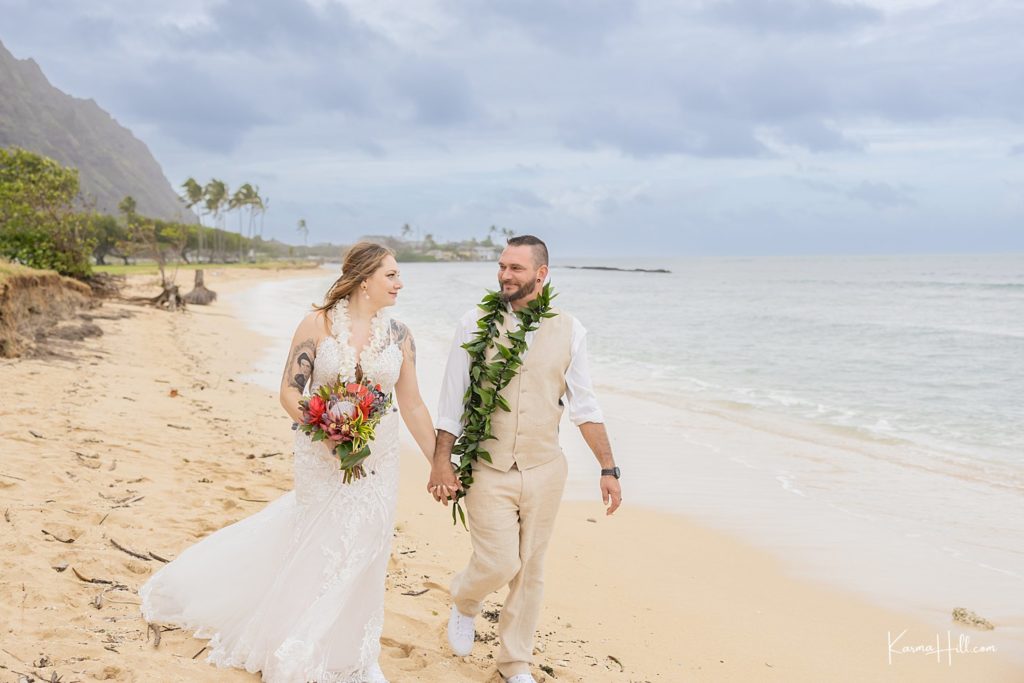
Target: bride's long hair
361 261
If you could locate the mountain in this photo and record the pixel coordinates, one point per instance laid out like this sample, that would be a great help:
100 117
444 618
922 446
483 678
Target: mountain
111 162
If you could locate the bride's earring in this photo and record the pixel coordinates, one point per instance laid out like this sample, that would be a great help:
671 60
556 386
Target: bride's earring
366 294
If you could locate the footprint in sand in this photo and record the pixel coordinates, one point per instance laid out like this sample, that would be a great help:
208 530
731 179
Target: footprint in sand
403 653
136 567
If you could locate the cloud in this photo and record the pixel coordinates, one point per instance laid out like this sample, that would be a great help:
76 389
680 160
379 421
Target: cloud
272 27
658 134
558 25
469 112
881 195
197 106
440 95
793 16
816 136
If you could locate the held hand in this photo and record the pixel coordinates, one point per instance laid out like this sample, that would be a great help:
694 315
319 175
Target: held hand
611 493
443 483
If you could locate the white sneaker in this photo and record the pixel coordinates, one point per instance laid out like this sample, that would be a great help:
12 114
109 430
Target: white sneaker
521 678
461 632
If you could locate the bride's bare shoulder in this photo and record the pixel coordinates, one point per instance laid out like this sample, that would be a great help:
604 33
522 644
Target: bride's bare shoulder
316 324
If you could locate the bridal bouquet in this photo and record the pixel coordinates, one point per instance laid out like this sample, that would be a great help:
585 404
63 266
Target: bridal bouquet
345 415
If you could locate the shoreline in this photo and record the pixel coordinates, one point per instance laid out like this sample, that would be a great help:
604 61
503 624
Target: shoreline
669 599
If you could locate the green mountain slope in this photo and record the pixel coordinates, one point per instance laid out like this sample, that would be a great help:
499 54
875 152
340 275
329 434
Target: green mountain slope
111 161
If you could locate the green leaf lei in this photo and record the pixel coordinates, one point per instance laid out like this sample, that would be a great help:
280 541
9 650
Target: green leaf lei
488 378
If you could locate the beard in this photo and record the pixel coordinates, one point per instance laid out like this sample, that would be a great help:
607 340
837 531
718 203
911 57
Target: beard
518 294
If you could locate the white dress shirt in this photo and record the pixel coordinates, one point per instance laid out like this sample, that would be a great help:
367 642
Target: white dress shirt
579 390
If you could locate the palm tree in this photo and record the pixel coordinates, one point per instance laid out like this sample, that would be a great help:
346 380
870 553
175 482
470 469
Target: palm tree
216 198
304 231
264 205
406 231
508 232
193 196
255 207
243 198
127 207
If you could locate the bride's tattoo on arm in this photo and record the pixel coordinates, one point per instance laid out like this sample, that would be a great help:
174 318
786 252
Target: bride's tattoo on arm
300 366
400 332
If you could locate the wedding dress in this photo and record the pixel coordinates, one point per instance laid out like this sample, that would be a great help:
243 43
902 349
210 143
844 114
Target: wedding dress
296 591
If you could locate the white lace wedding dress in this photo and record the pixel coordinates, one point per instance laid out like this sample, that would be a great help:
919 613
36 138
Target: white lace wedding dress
296 591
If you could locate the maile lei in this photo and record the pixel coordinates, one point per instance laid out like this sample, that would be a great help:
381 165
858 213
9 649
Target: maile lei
488 377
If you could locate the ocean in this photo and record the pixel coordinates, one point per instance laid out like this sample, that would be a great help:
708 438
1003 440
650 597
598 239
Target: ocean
861 417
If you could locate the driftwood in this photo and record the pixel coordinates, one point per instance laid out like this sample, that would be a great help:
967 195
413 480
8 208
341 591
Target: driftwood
105 284
129 551
105 582
200 295
170 298
58 538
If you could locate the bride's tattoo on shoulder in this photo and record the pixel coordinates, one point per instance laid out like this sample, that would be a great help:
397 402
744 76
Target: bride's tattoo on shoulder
300 365
400 332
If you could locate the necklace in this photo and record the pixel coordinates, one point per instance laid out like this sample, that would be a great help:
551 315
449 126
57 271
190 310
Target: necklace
488 377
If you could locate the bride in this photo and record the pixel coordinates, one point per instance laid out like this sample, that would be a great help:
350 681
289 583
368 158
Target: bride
296 591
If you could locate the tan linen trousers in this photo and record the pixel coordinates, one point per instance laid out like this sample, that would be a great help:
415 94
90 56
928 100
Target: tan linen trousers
511 517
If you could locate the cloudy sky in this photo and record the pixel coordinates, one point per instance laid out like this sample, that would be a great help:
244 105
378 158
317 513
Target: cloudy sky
643 127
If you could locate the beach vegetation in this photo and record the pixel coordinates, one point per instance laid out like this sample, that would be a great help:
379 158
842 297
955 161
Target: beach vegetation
40 224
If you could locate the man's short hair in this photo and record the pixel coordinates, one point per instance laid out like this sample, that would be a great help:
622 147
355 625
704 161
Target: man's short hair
540 250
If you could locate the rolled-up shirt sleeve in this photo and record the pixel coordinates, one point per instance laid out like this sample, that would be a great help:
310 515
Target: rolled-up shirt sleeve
456 378
579 390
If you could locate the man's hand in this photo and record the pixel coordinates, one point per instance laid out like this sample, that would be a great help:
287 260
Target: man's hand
611 493
443 483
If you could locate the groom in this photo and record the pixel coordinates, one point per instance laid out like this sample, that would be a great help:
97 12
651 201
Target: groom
513 500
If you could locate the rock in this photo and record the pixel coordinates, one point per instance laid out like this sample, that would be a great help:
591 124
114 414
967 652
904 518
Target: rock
962 615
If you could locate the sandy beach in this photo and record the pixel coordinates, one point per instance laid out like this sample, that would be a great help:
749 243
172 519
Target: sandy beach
157 441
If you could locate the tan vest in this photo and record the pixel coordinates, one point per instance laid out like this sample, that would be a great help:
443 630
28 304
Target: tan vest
528 435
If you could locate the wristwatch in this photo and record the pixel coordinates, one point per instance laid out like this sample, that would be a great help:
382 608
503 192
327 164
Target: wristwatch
613 472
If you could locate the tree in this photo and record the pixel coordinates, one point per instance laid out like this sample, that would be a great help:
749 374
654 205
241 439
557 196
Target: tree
193 196
304 231
241 199
256 206
39 226
109 235
162 241
406 231
215 195
264 206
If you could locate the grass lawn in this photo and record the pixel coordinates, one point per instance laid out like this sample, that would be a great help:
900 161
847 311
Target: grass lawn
151 268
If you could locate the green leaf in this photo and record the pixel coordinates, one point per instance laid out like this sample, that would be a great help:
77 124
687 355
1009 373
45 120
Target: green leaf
490 372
